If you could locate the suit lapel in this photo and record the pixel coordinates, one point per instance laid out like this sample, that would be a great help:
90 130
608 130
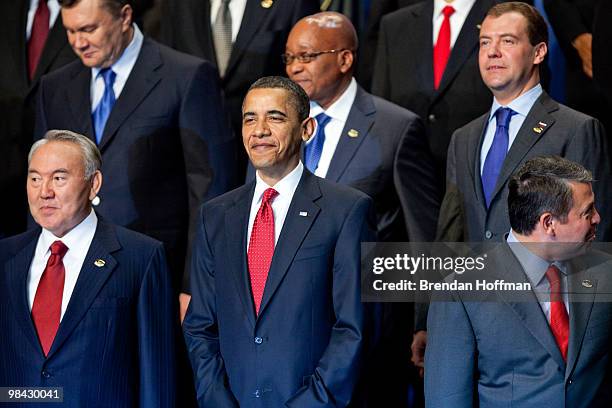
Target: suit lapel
526 138
361 119
236 245
421 32
143 78
293 233
581 304
20 48
17 269
90 281
474 158
528 310
465 45
79 99
55 43
253 18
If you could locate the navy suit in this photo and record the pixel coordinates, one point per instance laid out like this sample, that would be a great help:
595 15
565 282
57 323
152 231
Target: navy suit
115 343
304 348
166 147
501 352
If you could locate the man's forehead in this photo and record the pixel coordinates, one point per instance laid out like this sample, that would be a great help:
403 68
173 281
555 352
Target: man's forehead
265 99
511 23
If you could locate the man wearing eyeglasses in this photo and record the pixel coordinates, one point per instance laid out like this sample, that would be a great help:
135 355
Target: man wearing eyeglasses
374 146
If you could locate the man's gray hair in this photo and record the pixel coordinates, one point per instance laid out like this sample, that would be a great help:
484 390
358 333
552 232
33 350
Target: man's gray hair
92 159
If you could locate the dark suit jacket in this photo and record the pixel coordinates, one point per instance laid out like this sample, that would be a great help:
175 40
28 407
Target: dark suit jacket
390 161
166 147
403 73
17 105
501 352
115 343
185 26
570 134
304 347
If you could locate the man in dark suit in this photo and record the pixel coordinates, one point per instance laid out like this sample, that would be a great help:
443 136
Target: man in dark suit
374 146
84 305
550 344
404 71
24 63
275 317
156 116
258 33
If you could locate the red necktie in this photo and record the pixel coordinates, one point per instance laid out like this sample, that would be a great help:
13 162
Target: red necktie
47 306
559 320
38 36
261 246
442 48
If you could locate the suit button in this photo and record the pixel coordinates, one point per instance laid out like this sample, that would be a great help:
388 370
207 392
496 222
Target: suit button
96 201
488 234
431 117
257 394
258 340
46 374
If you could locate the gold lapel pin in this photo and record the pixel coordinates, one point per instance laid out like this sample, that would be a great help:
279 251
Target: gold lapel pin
267 3
99 263
537 129
353 133
587 283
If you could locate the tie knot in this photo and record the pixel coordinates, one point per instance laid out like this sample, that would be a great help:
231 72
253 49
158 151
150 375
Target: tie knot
322 119
503 116
553 274
269 195
448 11
108 75
58 248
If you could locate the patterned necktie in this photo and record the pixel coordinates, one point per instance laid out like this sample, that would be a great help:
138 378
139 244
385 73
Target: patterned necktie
38 36
261 246
222 36
47 306
559 320
442 48
104 108
313 150
497 153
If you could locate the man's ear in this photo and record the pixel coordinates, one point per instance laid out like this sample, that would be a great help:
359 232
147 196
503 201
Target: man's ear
540 52
96 184
308 126
547 223
346 59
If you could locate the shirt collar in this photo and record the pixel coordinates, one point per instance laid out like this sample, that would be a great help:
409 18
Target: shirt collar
340 109
521 105
74 237
460 6
123 66
534 266
284 187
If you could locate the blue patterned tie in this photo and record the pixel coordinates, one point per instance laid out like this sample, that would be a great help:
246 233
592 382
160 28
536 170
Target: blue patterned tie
497 153
313 150
104 108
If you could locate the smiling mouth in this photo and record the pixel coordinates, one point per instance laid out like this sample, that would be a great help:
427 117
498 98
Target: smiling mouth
495 68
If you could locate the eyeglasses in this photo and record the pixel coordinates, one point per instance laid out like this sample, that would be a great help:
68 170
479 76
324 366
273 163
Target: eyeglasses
307 57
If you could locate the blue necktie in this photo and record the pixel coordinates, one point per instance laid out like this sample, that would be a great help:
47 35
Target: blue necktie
313 150
497 153
104 108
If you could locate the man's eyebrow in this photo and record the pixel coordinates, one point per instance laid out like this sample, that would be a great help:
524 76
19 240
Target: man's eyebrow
60 170
276 112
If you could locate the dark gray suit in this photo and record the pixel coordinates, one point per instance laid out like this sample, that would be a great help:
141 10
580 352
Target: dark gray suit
501 352
568 133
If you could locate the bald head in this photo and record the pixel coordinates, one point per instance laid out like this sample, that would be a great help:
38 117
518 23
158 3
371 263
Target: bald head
320 54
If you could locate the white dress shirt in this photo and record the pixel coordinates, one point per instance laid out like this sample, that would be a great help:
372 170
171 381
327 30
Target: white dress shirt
521 105
338 112
462 9
122 68
78 241
535 269
280 205
236 8
54 10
